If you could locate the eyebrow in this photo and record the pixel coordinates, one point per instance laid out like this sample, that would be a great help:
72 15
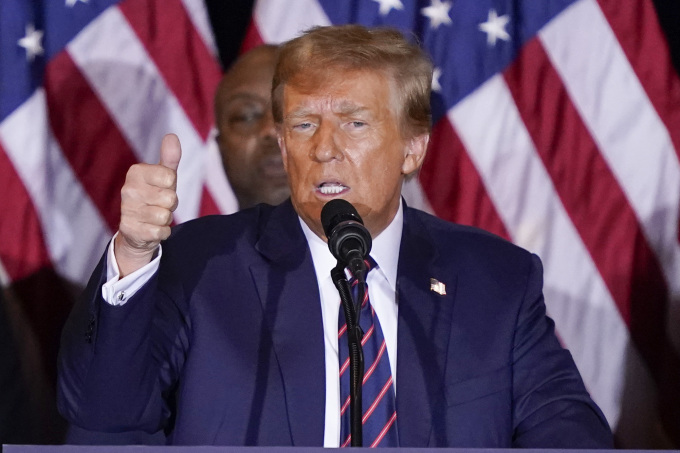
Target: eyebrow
344 108
297 114
245 96
348 108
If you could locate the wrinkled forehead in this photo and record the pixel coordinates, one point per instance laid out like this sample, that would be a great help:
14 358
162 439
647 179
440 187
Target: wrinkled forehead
320 83
309 76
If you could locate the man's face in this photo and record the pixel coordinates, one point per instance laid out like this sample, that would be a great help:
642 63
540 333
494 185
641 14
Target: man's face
247 136
340 138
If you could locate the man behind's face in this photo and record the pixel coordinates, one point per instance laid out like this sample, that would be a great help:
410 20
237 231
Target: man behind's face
247 136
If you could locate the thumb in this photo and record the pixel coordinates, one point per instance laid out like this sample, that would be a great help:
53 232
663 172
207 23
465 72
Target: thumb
171 152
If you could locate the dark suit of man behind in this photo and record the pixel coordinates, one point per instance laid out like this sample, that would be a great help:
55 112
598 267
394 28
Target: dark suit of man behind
225 345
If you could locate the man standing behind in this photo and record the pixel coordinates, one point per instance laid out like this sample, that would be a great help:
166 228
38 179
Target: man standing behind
246 131
228 333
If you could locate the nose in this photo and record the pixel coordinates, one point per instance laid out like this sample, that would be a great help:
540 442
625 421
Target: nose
325 147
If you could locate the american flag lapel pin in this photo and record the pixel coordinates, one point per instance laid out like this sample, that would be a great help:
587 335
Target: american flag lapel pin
438 287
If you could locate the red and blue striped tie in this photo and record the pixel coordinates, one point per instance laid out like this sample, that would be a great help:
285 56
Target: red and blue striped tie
379 406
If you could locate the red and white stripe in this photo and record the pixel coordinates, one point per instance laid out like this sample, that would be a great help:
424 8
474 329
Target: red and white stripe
384 431
59 221
347 441
364 339
385 388
371 369
109 98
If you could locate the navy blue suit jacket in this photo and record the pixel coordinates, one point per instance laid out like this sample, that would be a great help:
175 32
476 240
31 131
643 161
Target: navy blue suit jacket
225 344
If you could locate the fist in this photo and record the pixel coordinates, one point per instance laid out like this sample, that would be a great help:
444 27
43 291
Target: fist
148 199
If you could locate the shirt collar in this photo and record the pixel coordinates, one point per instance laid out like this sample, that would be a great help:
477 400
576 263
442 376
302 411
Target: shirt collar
385 250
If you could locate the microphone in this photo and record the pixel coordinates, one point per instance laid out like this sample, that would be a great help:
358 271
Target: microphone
349 242
348 239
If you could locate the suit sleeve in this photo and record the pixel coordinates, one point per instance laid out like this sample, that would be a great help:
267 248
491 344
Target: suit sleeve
552 408
118 365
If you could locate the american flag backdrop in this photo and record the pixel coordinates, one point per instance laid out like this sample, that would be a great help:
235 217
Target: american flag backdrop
87 88
556 126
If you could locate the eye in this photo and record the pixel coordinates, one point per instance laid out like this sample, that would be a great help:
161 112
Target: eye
358 124
244 117
303 126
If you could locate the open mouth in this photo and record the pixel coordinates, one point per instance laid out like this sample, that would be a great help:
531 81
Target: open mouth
331 188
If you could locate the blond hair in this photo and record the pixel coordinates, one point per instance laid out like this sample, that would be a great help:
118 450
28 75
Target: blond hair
354 47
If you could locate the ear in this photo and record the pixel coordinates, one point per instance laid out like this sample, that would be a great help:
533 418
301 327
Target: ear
415 154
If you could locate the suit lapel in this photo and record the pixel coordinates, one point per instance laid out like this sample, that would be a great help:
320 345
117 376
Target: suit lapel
289 293
423 333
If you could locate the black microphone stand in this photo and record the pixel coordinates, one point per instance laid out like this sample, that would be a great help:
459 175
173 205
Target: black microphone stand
352 311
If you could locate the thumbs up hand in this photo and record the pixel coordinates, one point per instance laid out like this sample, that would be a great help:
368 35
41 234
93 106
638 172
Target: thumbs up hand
148 199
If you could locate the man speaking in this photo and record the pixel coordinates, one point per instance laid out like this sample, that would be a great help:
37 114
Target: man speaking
228 330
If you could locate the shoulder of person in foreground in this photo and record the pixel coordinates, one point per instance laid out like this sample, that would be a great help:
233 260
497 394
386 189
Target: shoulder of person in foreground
116 362
499 312
217 233
464 245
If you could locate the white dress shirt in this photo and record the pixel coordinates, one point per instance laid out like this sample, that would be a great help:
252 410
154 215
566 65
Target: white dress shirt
381 282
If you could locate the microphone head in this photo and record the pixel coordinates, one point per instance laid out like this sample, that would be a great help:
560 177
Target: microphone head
337 211
344 229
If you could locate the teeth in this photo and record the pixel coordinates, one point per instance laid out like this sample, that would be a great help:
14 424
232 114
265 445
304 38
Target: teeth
331 189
